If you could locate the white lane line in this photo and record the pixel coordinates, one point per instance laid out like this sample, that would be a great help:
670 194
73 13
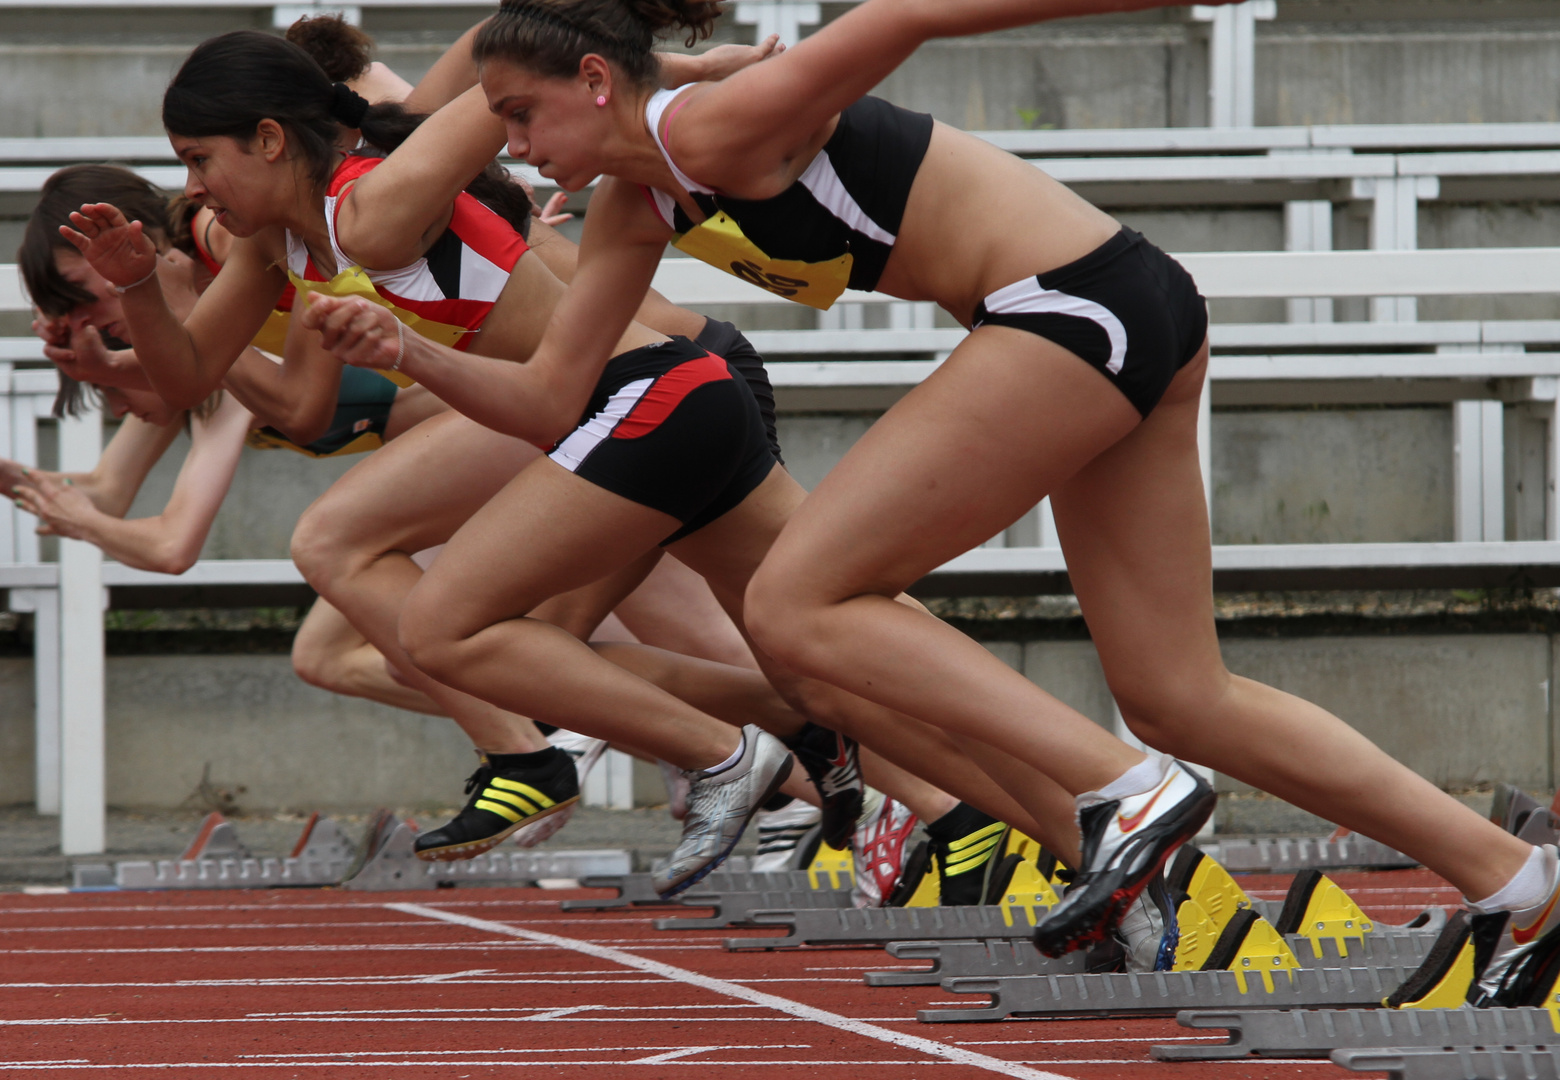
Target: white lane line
902 1040
525 1050
404 1016
20 1066
456 979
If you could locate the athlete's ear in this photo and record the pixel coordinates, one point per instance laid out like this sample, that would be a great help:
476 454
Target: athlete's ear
270 140
596 76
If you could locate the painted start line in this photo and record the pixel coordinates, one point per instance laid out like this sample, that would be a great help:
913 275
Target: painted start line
485 982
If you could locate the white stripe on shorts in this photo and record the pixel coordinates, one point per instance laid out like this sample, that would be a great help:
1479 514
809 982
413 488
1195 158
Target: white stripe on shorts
577 446
1024 297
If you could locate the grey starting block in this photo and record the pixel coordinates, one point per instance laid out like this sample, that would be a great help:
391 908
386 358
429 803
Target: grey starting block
976 959
1165 993
1307 853
217 860
1461 1063
393 865
879 926
635 890
1303 1033
736 908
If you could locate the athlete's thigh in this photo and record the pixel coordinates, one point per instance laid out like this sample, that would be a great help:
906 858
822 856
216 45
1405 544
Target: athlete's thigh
546 533
1005 419
414 492
729 549
1134 526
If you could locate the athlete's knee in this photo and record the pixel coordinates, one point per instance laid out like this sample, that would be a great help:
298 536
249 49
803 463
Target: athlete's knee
426 636
777 617
310 665
315 547
1175 715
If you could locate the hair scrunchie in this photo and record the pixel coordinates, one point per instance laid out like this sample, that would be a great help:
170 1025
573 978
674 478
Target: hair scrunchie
347 105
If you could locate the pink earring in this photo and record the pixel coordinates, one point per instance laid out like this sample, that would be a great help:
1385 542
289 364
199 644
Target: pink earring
601 99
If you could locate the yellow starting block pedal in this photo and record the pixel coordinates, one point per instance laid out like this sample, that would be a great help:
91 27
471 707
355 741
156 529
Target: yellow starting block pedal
831 868
1198 877
919 885
1199 934
1316 907
1446 974
1249 944
1016 879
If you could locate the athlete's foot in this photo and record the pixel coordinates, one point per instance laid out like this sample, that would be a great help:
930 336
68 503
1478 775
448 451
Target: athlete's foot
720 804
1125 844
1149 932
508 792
584 751
880 849
787 835
967 846
1521 954
830 761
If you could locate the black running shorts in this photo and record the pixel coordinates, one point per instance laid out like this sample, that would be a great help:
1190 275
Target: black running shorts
674 428
1127 309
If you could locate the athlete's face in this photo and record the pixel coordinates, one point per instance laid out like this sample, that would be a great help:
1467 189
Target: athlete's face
553 124
230 177
104 310
141 403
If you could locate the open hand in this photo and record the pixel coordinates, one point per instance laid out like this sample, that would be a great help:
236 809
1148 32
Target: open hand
116 248
355 331
723 61
553 213
62 508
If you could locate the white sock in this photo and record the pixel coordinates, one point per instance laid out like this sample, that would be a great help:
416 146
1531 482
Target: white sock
1528 887
736 756
1142 777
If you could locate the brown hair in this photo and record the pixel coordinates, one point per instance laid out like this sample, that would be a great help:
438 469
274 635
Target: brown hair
341 49
553 36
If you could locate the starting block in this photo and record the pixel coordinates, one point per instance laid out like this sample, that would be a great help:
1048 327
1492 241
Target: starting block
879 926
990 958
1462 1063
736 908
216 859
1165 993
1308 853
1303 1033
392 864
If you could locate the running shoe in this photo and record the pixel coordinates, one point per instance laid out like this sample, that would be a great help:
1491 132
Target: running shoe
584 751
505 797
1511 962
1149 931
964 864
880 849
719 808
830 761
1125 844
783 836
676 789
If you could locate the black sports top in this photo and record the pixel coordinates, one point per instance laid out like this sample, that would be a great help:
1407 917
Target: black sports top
832 229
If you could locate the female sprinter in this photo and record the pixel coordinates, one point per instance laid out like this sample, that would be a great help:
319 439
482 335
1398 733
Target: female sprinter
1080 380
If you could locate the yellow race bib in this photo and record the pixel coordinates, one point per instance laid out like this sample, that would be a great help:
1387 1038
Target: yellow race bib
719 241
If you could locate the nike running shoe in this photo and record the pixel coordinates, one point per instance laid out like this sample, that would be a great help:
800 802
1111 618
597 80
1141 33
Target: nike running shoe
1125 844
830 761
506 795
880 849
584 751
783 836
1511 961
719 807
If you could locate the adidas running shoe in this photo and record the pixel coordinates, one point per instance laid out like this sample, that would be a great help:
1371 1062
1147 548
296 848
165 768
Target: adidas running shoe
506 795
584 751
964 864
719 808
783 836
830 761
1125 844
880 849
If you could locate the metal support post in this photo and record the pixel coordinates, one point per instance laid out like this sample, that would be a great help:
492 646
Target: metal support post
82 752
1232 60
1479 475
45 607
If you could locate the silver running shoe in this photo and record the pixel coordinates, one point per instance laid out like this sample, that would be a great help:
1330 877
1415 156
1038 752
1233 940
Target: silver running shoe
719 808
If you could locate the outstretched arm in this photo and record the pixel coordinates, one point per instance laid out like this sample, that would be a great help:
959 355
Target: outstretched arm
184 361
117 477
297 397
171 541
751 123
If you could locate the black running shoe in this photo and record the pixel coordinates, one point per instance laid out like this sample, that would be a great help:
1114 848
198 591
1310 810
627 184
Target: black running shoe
508 792
830 761
1125 845
965 865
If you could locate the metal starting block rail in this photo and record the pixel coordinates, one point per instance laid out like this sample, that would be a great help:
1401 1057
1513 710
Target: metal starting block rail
635 890
1462 1063
394 866
737 908
1304 1033
1165 993
879 926
1306 853
1001 959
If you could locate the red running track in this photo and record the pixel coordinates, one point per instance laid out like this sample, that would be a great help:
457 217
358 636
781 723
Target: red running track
330 985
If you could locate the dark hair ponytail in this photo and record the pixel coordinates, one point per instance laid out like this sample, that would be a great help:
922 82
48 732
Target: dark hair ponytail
553 36
341 50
